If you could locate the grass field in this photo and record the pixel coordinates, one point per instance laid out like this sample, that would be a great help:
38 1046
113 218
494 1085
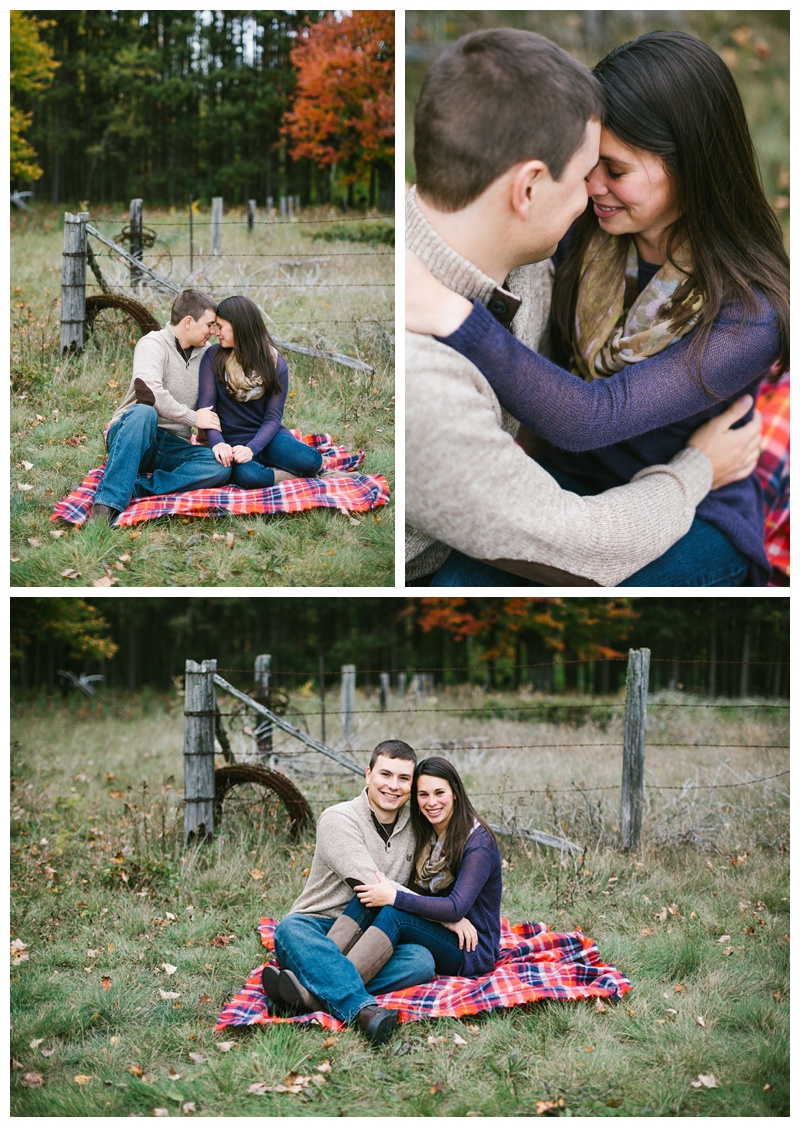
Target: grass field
125 947
59 407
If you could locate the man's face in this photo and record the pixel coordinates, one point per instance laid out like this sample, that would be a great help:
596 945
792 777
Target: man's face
560 202
389 785
198 332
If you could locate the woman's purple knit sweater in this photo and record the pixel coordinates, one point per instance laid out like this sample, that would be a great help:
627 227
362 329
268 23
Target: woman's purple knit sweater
475 894
641 416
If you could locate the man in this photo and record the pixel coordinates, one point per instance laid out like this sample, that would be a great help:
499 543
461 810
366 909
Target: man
151 429
506 131
354 839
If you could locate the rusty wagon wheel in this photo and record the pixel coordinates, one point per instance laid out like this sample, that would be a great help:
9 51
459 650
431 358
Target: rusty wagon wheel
248 800
110 319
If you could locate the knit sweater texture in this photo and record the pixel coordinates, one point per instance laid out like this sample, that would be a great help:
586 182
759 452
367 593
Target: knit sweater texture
349 848
173 381
469 486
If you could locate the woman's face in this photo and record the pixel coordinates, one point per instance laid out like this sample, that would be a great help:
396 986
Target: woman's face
633 194
436 801
225 332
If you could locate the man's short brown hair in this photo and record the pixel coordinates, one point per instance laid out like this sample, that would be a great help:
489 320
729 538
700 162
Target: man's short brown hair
393 749
493 99
191 303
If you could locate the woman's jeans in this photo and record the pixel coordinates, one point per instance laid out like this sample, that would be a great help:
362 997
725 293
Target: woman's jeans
302 946
284 452
704 557
404 927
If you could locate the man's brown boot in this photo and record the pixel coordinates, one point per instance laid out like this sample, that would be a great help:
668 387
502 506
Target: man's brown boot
376 1023
103 514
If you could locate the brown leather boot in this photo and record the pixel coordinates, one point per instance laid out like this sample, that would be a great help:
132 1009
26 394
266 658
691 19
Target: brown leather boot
102 514
376 1023
344 933
372 951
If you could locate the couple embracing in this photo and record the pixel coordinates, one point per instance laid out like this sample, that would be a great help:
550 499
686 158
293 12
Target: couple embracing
405 884
637 186
234 391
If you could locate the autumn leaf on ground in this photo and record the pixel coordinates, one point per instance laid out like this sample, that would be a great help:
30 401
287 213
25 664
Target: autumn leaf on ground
81 1079
701 1021
34 1044
19 951
34 543
324 1067
169 968
168 995
705 1081
135 1070
106 981
548 1107
197 1058
32 1080
225 1046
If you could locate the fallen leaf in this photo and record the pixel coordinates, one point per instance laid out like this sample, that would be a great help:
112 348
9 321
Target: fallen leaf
679 989
70 573
34 543
599 1008
26 465
81 1079
58 533
23 488
16 1066
197 1058
457 1040
47 1053
168 995
189 1109
169 968
324 1067
436 1088
174 1074
160 1111
544 1107
32 1080
329 1042
701 1021
257 874
705 1081
225 1046
135 1070
436 1040
588 1048
724 939
617 1102
203 998
728 951
36 1042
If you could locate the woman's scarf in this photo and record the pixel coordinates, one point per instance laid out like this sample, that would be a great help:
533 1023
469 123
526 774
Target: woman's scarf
433 868
241 386
614 326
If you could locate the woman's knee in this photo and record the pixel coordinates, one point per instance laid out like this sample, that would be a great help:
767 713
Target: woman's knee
252 475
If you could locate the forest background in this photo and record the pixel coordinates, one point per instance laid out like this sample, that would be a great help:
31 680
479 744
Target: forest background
716 645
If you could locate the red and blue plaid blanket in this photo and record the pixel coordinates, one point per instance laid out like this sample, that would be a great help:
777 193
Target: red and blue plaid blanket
353 492
773 473
536 964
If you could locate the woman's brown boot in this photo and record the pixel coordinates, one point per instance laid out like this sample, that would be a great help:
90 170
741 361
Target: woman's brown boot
372 951
344 933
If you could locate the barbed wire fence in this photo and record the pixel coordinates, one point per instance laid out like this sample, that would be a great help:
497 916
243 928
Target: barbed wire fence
536 763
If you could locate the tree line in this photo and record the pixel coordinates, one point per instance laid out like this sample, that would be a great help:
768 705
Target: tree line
171 106
721 646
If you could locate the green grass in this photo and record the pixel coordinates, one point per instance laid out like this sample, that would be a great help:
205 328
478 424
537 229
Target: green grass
103 889
59 408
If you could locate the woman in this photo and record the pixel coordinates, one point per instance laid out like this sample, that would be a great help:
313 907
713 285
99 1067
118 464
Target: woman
453 909
246 381
670 299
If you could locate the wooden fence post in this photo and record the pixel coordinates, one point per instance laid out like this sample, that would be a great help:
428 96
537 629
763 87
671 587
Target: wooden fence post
633 748
198 752
136 239
384 677
283 207
73 282
216 225
251 215
400 681
262 673
322 692
348 701
191 239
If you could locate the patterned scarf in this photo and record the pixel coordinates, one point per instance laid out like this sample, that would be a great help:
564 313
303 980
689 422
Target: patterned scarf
614 326
240 386
433 867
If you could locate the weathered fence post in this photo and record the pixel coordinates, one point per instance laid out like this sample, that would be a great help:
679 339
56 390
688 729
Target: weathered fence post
270 205
322 692
216 225
633 748
136 239
290 208
401 684
198 752
384 677
251 215
191 238
348 701
262 672
73 282
283 207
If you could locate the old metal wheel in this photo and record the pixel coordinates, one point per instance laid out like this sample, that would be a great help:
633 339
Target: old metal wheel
113 319
256 802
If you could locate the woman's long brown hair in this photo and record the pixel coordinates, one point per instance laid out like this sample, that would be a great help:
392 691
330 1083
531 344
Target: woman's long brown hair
464 813
672 95
251 342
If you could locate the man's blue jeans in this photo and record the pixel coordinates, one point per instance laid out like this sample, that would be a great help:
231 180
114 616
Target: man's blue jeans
283 453
137 445
404 927
302 946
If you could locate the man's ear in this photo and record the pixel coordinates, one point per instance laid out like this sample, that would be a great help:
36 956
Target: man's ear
525 183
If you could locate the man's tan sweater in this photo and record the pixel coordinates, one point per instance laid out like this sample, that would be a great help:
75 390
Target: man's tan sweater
173 381
470 486
349 847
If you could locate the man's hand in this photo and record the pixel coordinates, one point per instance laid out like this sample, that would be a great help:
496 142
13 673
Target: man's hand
376 895
467 935
207 419
732 453
430 307
242 454
223 453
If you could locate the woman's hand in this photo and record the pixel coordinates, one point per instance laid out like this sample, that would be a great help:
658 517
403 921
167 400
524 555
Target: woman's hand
431 307
223 453
376 895
242 454
467 935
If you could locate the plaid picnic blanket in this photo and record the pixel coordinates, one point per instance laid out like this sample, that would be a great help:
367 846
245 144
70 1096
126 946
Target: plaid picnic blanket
355 493
536 964
773 473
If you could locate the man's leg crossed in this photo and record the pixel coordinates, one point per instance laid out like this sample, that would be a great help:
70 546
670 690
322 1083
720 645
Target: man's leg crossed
130 442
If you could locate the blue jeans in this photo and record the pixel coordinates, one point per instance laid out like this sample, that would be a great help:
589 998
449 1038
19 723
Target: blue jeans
283 453
302 946
137 445
404 927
